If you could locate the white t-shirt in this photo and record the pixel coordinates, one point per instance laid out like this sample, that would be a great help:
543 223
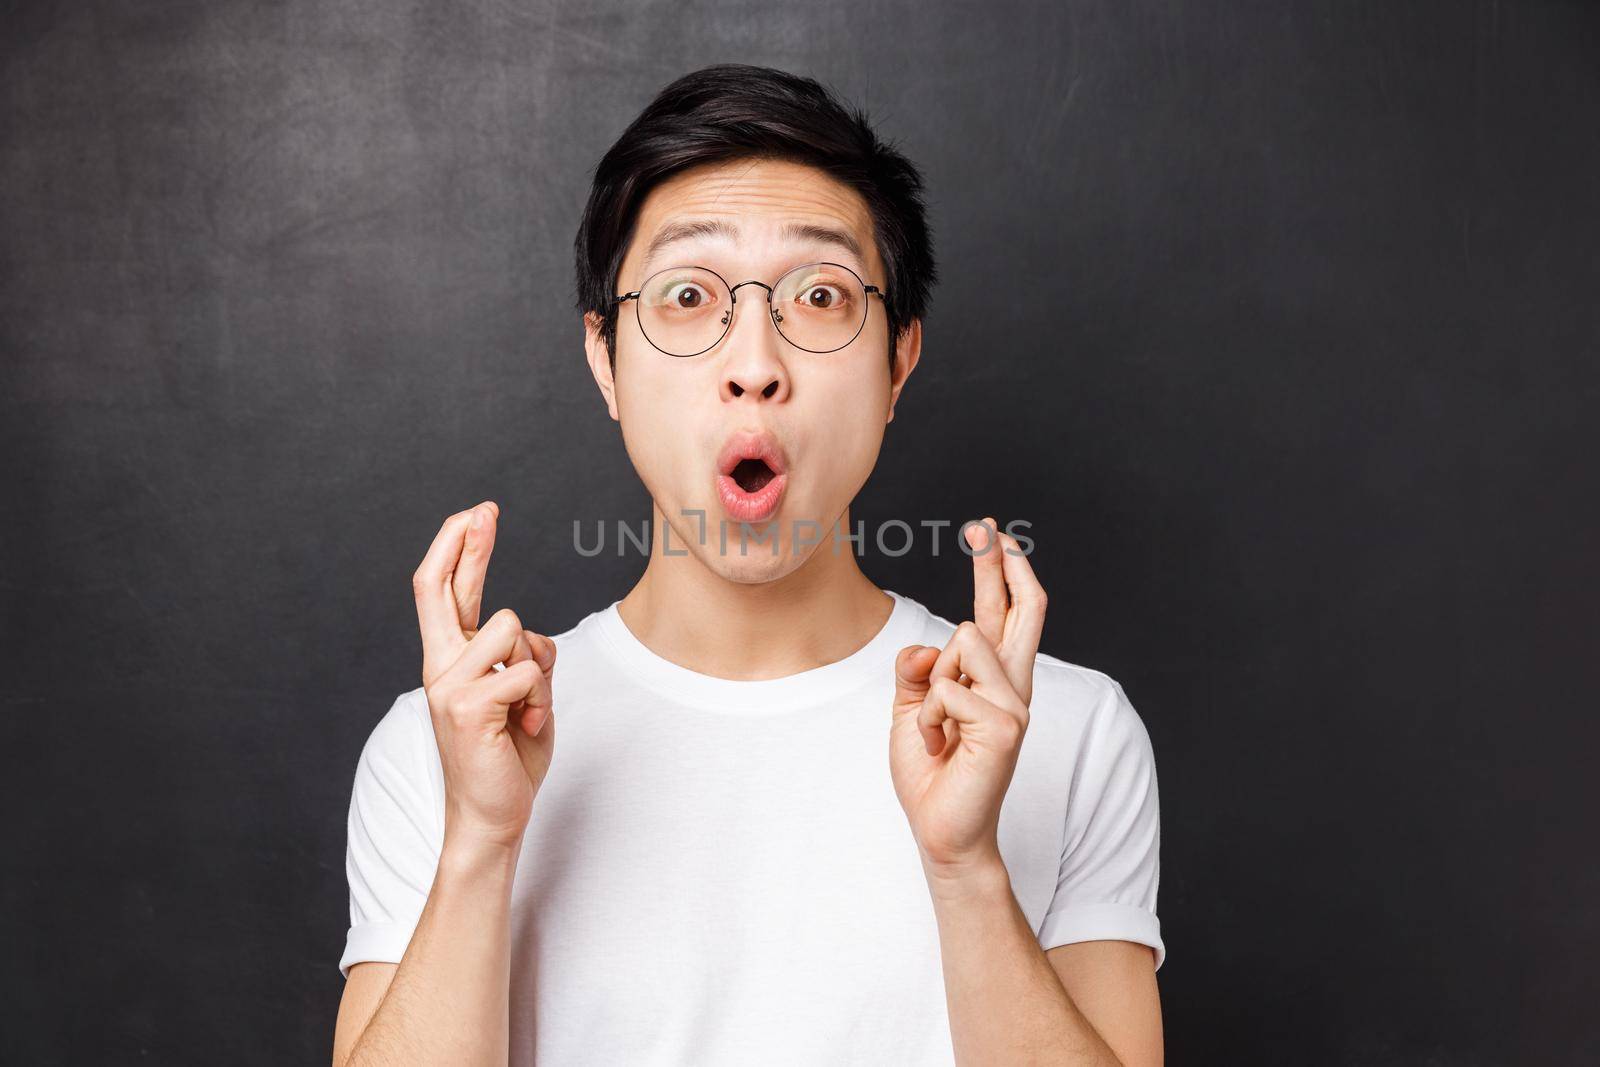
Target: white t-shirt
719 872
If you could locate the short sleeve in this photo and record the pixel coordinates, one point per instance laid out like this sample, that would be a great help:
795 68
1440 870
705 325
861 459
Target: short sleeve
395 829
1110 856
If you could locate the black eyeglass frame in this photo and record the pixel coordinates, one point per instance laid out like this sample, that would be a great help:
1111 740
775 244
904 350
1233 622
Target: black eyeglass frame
733 299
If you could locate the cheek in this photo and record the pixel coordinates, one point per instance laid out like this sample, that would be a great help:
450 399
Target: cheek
657 421
850 431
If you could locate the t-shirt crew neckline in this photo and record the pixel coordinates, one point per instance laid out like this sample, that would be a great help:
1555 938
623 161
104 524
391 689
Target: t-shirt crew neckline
804 689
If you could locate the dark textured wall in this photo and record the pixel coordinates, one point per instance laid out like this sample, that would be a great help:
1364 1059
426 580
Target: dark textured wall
1278 320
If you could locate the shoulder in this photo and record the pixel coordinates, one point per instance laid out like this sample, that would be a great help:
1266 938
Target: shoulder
585 654
1094 699
400 741
580 631
1067 697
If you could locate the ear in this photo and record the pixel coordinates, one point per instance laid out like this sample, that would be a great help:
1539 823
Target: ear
907 350
599 361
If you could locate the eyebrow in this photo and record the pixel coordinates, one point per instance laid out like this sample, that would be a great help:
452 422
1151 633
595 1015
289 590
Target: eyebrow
687 229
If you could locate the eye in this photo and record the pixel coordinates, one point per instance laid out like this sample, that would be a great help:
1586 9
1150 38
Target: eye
686 296
822 296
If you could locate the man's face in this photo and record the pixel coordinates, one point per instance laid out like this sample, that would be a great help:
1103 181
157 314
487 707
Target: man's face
684 419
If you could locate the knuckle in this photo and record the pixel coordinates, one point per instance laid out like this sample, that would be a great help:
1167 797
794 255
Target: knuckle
459 709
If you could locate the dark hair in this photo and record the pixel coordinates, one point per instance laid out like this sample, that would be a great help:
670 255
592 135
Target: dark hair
734 111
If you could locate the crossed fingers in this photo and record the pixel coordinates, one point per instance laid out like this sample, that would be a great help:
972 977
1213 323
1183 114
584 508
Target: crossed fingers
986 706
1008 603
983 678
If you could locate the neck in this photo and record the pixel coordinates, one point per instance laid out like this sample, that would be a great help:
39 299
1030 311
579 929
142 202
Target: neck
817 614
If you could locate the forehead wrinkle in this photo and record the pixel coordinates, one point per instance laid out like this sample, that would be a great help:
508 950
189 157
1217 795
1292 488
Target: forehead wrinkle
709 202
808 234
690 229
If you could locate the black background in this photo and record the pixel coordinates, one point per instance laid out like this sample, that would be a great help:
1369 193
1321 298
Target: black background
1278 321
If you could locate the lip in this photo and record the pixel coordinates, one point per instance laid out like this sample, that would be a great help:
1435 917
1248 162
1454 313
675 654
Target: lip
763 503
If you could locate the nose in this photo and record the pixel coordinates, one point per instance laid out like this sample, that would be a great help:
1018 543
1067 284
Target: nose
753 357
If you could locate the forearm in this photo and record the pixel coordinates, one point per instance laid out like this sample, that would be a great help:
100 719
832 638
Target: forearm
1006 1003
448 1002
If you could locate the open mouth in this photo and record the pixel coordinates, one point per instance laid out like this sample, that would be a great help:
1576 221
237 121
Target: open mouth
751 475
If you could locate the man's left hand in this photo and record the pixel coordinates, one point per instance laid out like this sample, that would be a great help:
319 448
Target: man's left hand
960 712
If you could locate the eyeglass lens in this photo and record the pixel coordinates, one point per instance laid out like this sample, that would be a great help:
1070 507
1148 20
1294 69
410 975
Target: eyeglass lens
819 307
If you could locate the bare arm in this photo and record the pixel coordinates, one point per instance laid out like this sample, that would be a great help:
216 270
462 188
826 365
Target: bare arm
1009 1000
447 1001
959 717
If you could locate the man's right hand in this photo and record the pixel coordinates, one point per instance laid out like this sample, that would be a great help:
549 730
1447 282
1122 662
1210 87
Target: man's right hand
495 728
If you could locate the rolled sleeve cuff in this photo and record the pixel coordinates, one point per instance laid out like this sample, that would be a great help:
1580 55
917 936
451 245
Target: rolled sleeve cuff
374 942
1103 922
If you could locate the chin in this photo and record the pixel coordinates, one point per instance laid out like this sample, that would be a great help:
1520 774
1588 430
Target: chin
754 569
759 562
759 575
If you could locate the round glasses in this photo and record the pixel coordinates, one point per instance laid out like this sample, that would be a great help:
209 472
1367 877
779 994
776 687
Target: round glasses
817 307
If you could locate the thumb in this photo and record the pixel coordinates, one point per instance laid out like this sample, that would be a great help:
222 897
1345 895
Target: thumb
911 670
542 650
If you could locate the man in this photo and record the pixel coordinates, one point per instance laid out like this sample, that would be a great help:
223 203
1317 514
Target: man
721 866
